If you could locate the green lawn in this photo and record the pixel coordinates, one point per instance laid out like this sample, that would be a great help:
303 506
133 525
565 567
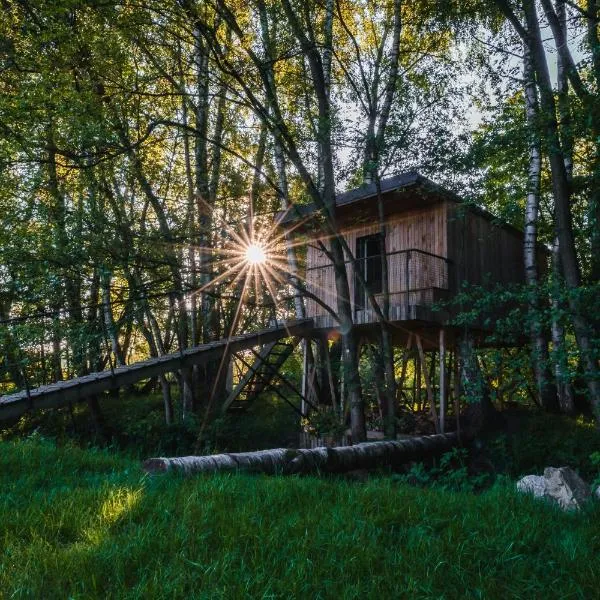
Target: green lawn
87 524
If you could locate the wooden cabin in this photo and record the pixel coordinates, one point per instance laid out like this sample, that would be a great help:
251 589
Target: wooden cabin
434 241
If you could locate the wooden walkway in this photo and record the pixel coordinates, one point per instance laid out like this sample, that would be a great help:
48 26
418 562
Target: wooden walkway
80 388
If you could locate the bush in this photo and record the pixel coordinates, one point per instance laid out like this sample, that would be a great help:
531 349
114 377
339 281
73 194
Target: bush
545 440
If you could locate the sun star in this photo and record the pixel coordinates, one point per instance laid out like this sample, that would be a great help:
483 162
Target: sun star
255 254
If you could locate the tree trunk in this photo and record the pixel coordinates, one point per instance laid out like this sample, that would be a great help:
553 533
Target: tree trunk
564 389
325 460
562 196
594 209
109 322
539 343
327 197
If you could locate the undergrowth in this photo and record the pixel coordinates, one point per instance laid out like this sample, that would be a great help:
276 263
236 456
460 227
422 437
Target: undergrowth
134 425
78 523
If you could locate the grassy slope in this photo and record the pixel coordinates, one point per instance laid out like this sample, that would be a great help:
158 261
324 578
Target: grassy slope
86 524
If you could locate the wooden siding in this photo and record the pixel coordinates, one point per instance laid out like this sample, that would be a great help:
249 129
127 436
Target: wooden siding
483 251
480 251
423 229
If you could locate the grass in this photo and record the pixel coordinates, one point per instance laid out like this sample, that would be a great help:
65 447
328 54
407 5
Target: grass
78 523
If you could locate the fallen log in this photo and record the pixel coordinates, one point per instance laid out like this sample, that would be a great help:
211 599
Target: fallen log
284 461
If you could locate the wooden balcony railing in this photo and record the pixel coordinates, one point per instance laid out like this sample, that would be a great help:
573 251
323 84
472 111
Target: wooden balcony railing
415 277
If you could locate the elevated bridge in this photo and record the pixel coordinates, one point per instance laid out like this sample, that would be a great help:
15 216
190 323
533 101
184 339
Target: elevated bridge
80 388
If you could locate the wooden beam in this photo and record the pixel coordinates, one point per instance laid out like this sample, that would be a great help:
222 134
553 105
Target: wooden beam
405 357
250 373
80 388
456 389
327 359
430 395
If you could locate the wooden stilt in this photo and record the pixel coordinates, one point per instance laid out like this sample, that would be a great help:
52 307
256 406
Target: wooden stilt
328 369
379 384
417 384
430 395
312 396
432 377
187 393
500 389
314 390
442 380
229 379
167 400
405 357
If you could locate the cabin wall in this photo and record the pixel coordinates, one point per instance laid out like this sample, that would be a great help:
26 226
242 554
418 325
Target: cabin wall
483 251
423 229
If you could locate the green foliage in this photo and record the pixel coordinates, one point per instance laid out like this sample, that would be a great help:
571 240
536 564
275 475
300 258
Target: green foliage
450 472
87 524
325 422
507 314
135 425
543 440
268 423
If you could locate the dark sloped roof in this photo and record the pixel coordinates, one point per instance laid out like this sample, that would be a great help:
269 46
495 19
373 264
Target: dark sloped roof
397 182
387 185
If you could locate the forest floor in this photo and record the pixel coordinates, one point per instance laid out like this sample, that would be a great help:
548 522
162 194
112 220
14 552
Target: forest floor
81 522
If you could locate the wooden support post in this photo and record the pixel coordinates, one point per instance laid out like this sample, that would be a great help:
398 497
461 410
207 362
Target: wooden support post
442 380
327 359
432 377
405 356
407 284
430 395
229 378
380 391
167 400
417 384
312 398
187 393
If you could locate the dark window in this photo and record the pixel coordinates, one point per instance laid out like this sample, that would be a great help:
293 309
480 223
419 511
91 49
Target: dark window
368 257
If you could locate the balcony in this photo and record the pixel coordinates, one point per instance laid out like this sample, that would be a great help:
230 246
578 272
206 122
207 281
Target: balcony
417 279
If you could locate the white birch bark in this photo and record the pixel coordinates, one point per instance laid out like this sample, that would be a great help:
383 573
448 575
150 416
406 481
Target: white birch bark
328 460
539 344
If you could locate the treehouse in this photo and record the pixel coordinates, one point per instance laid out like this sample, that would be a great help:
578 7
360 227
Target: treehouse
433 243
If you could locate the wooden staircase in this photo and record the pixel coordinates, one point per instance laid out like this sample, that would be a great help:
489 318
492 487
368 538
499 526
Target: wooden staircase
261 374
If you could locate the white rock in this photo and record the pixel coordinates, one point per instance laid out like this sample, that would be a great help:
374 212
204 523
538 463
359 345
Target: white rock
532 484
566 487
560 485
